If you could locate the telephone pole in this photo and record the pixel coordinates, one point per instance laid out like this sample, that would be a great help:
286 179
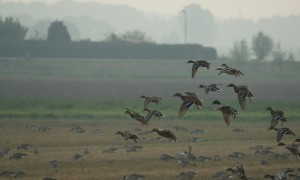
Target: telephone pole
185 26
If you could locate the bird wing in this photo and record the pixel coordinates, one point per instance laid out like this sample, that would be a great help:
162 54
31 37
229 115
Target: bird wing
150 115
168 134
227 114
274 122
283 131
185 107
206 89
293 150
127 135
146 103
194 69
227 118
280 134
242 98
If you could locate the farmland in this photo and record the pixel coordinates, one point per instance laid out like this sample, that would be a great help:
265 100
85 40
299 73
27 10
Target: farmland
93 93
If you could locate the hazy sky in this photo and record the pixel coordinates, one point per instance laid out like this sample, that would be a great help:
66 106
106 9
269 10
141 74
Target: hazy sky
249 9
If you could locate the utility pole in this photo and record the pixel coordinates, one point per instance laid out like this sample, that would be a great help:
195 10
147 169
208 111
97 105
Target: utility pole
185 26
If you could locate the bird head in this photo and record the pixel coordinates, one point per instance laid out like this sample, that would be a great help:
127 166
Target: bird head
216 102
230 85
269 108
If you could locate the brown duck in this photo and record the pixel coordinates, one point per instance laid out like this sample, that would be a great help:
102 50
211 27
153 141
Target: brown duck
229 70
128 135
152 113
283 131
211 87
227 111
197 64
136 116
277 115
165 133
293 148
188 100
148 99
243 92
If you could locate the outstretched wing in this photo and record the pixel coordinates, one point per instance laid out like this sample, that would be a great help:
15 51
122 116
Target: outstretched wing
242 98
227 114
194 69
185 107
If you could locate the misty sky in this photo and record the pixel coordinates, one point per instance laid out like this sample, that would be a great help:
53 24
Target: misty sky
249 9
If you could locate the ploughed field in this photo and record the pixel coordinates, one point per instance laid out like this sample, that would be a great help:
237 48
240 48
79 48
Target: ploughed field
92 94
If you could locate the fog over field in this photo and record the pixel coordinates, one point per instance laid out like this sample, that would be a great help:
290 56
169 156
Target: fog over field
73 108
95 21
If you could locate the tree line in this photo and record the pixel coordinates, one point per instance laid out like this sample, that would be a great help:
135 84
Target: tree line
133 44
262 44
262 47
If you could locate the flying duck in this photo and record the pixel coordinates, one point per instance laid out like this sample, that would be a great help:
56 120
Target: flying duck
229 70
188 100
128 135
197 64
227 111
165 133
211 87
136 116
242 91
148 99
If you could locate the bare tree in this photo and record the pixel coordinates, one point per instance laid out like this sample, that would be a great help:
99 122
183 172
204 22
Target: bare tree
262 45
240 51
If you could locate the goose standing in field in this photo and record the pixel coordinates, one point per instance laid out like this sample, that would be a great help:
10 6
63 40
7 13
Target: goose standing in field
110 150
128 135
186 175
18 156
78 157
186 158
277 115
54 164
154 99
227 111
25 146
221 176
229 70
136 116
293 148
211 87
239 171
243 92
283 131
133 177
133 148
152 113
188 100
165 133
197 64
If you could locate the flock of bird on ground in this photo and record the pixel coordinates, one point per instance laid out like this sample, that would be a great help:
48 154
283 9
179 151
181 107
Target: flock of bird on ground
190 98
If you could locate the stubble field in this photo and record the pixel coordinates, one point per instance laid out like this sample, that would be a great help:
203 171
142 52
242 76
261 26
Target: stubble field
92 94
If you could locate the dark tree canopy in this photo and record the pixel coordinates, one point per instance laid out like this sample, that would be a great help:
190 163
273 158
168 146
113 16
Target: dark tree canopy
11 29
58 32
